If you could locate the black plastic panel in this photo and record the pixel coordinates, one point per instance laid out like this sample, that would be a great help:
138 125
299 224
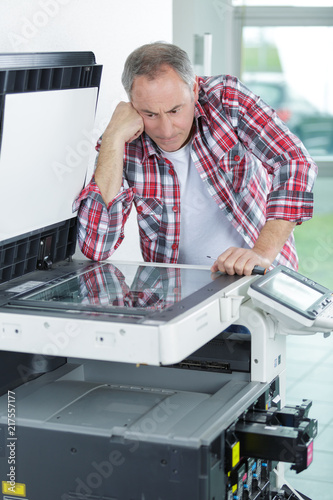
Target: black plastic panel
22 255
17 60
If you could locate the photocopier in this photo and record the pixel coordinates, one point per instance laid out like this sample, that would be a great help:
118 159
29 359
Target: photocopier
126 380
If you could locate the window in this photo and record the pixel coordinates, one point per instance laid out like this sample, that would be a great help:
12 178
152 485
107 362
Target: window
282 54
297 83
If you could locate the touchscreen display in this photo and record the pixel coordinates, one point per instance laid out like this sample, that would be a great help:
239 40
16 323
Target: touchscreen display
124 285
291 291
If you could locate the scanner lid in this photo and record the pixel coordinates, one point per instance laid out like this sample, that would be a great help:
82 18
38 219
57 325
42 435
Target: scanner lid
47 109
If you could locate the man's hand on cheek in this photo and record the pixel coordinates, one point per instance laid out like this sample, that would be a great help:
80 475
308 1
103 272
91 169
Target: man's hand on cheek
126 123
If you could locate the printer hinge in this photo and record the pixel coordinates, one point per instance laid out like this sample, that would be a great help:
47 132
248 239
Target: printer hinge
44 260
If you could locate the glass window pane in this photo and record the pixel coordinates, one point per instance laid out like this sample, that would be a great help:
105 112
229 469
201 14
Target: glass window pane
288 67
314 238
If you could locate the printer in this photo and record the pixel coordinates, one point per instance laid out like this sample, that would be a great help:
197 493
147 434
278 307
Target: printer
123 380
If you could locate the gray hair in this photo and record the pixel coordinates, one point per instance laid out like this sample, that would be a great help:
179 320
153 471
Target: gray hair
149 60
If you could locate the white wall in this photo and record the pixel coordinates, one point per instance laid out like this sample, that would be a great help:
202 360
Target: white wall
109 28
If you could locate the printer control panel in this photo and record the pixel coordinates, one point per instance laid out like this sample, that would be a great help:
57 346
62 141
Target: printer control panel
295 300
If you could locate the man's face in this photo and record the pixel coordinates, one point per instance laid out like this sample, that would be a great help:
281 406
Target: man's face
166 105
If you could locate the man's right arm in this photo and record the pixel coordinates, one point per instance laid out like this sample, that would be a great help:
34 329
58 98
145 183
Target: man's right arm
100 222
125 125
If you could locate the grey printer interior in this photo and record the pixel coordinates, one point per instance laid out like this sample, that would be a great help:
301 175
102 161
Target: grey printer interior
124 380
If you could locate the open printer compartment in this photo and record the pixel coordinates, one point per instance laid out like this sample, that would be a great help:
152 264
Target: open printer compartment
105 430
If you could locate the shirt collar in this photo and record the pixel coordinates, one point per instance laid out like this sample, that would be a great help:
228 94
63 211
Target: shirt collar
213 125
149 146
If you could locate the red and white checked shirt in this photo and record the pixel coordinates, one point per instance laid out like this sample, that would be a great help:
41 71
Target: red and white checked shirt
254 168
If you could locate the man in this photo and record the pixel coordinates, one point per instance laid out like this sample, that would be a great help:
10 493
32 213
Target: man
209 166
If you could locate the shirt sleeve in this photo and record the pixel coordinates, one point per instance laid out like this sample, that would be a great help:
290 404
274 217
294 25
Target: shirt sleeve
283 155
101 227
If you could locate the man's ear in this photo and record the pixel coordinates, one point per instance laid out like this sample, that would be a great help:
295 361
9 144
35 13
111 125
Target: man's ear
196 89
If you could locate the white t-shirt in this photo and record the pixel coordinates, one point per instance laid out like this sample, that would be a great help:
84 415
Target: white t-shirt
204 229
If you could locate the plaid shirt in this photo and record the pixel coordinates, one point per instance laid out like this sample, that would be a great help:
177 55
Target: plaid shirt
254 168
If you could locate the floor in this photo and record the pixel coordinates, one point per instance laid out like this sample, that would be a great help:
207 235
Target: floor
310 376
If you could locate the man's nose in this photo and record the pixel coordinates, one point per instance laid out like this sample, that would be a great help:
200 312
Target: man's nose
166 126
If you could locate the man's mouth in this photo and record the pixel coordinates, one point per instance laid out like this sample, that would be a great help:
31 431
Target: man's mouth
168 139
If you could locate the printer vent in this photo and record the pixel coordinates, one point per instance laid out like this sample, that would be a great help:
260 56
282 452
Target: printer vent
28 72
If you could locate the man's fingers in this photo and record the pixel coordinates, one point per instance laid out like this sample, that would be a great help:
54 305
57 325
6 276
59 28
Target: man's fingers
239 261
136 135
229 261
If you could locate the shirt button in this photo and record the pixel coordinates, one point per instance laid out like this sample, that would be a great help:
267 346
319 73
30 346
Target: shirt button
174 246
175 208
139 209
237 158
171 171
